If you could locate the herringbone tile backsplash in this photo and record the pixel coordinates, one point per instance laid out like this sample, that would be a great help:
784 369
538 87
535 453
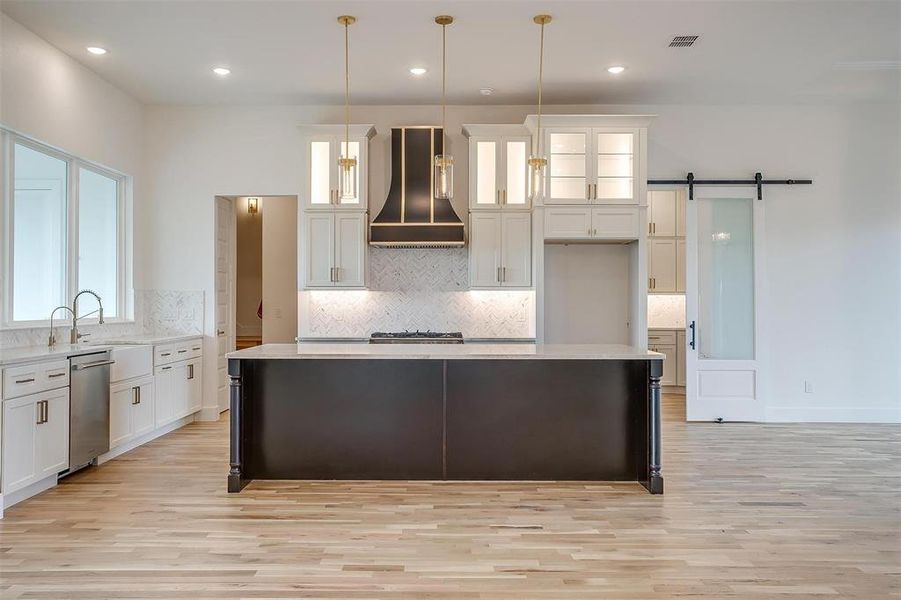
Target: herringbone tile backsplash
421 288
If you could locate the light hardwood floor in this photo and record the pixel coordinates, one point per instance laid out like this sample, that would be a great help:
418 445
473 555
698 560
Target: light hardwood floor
750 511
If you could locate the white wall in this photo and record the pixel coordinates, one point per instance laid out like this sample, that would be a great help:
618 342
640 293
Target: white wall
833 248
47 95
279 269
587 280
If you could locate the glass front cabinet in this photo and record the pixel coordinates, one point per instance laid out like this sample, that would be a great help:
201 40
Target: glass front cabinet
323 146
498 167
591 165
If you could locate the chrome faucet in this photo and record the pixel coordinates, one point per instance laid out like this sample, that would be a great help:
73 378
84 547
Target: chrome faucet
75 336
51 342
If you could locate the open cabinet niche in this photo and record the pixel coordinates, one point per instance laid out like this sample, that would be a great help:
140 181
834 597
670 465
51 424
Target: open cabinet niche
590 294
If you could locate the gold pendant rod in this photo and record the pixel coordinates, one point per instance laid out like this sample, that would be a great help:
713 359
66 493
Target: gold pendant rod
541 20
444 21
346 20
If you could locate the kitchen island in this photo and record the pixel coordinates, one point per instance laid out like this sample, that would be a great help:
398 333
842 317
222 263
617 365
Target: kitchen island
477 411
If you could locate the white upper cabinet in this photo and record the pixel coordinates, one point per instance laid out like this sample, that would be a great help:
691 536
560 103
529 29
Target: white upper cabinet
484 250
323 146
591 165
661 265
662 211
569 166
516 250
350 250
583 223
334 250
498 160
500 250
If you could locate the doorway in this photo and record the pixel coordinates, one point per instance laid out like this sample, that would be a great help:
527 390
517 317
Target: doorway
256 275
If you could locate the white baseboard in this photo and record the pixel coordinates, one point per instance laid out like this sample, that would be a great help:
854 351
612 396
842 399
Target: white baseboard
208 413
13 498
140 441
832 414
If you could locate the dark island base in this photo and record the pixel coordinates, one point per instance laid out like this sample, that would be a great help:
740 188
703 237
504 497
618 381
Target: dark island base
576 420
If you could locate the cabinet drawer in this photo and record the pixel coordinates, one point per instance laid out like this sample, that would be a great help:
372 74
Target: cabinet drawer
169 353
35 377
567 223
615 223
661 336
165 354
190 349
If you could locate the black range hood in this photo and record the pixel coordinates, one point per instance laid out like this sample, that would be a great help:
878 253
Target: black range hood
412 216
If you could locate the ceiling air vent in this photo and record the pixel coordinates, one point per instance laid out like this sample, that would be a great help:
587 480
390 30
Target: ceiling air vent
683 41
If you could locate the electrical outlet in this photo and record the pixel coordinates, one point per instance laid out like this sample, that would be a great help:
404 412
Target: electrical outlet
808 387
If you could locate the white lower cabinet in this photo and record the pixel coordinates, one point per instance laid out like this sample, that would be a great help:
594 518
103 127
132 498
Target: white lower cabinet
164 394
334 250
600 223
500 250
35 438
177 390
661 265
669 365
672 344
131 410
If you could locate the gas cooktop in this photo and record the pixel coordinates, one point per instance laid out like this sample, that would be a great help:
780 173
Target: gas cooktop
416 337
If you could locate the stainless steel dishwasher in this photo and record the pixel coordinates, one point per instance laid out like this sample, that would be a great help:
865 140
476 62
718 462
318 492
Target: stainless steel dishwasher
88 407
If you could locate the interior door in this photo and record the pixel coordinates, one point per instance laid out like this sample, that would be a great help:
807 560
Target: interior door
724 257
225 290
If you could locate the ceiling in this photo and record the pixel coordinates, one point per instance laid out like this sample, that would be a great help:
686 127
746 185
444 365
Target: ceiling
291 52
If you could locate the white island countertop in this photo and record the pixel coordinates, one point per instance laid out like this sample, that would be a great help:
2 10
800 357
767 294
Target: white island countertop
447 351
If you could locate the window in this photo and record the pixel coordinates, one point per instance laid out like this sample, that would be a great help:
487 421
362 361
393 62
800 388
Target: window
63 231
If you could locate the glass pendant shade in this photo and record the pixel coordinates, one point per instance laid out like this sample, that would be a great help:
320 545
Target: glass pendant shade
347 178
536 173
444 176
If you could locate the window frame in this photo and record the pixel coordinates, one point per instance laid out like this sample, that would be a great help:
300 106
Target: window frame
124 296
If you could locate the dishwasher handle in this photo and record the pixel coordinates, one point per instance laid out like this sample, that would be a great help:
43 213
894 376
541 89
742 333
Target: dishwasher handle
99 363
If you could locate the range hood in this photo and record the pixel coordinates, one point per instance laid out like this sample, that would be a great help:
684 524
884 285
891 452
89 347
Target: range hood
412 216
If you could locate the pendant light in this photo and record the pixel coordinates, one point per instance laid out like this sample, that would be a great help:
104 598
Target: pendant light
444 162
347 165
537 161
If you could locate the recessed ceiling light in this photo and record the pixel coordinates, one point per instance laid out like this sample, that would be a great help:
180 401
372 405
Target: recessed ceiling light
486 91
616 70
96 50
222 71
418 71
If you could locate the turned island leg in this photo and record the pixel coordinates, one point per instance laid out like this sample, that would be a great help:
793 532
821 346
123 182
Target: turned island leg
236 481
655 479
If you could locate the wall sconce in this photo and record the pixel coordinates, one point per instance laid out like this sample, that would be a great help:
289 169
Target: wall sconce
253 206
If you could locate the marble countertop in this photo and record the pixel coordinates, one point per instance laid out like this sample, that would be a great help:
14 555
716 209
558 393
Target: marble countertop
447 351
24 354
151 339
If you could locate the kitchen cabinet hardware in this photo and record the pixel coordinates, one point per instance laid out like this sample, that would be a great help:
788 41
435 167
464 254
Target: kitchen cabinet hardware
55 375
92 365
190 371
182 351
29 380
